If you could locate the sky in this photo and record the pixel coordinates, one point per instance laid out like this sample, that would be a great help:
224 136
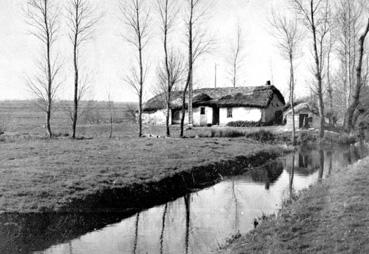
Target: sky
106 59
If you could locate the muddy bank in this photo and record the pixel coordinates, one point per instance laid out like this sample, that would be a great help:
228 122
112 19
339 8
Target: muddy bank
135 197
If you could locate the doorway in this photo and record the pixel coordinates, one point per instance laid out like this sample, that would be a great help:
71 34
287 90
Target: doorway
302 120
215 116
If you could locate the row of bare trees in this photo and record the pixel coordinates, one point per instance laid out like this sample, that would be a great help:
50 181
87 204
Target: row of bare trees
172 69
81 18
337 32
45 19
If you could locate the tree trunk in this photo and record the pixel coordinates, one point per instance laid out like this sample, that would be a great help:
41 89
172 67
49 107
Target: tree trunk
234 73
292 90
49 79
190 69
168 116
183 109
141 73
169 79
356 96
189 77
111 124
75 101
318 74
76 75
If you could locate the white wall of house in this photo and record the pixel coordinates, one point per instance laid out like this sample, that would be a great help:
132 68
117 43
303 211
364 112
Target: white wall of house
155 118
202 119
314 124
240 114
274 106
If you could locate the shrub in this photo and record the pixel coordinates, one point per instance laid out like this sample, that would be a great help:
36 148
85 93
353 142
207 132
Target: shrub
307 137
226 133
262 136
243 124
346 139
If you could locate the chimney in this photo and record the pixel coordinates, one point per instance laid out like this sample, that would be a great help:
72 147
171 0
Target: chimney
268 83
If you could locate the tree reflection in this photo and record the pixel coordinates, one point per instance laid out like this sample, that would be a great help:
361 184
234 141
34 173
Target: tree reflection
70 248
187 200
321 164
136 233
163 228
236 220
292 174
330 162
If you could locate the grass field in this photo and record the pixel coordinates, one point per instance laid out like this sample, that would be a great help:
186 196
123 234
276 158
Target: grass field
38 174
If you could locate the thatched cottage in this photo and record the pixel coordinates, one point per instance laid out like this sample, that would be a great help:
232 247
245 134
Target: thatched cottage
306 116
219 106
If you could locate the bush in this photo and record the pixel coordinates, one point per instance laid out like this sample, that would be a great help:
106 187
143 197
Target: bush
243 124
262 136
307 137
346 139
226 133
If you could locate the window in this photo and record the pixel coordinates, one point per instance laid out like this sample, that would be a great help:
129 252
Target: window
202 110
229 113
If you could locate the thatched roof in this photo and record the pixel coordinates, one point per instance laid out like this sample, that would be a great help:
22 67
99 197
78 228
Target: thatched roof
303 107
251 96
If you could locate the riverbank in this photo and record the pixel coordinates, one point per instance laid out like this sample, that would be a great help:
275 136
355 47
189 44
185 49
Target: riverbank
101 174
330 217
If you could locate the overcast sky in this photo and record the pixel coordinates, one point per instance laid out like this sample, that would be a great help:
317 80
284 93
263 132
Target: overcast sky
108 56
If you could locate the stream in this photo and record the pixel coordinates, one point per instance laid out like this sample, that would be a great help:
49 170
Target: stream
199 222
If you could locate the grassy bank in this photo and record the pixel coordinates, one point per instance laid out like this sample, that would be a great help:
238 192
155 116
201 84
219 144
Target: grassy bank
330 217
61 174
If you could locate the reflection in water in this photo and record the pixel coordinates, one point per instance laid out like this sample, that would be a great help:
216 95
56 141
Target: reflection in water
330 162
188 213
163 228
236 220
196 223
292 174
136 233
321 164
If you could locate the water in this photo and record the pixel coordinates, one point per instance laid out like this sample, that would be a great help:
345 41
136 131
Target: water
196 223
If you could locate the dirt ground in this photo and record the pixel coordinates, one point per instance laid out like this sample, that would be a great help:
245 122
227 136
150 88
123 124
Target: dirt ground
330 217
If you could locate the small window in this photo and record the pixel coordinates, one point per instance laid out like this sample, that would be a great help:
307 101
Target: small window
229 113
202 110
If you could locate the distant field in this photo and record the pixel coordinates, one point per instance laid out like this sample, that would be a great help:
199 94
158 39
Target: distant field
26 118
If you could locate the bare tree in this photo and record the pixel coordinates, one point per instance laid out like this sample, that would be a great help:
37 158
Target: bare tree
330 48
43 17
315 17
111 109
136 17
348 20
359 82
236 56
168 9
289 37
82 20
174 64
197 44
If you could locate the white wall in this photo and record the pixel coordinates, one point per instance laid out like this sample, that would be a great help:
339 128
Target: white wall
155 118
197 116
240 114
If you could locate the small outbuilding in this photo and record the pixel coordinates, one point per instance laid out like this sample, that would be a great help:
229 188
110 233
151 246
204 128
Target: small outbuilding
306 116
220 106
